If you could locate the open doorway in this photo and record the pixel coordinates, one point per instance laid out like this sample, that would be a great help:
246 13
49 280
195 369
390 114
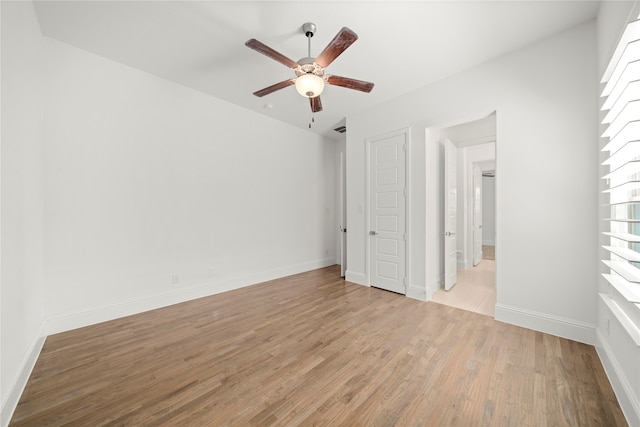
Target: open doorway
469 216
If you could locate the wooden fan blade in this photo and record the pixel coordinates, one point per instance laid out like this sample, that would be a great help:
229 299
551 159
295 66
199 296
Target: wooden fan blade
316 104
275 87
273 54
350 83
339 44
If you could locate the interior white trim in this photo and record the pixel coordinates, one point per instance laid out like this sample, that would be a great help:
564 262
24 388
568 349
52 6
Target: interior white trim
547 323
15 390
407 218
102 314
619 382
417 292
434 287
357 278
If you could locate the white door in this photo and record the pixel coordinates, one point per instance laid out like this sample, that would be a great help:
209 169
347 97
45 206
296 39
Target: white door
477 215
343 222
387 212
450 213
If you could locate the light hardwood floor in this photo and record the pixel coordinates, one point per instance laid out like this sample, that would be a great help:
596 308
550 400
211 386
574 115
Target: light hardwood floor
312 349
488 252
475 289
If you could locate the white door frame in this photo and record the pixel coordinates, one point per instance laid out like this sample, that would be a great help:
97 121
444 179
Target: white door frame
476 215
407 157
450 211
342 238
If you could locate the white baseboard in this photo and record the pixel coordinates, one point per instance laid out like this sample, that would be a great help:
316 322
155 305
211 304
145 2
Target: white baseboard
417 292
357 278
619 382
88 317
15 390
488 243
554 325
433 288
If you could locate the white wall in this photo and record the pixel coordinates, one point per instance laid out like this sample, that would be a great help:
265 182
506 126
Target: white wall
552 82
146 179
618 350
21 241
488 211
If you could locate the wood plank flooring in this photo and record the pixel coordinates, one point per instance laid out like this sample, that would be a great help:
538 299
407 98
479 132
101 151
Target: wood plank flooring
312 349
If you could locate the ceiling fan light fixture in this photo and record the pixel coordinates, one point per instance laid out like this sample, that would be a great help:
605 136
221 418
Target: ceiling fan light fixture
309 85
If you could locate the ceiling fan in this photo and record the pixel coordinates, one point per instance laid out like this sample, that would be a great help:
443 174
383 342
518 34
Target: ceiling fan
310 72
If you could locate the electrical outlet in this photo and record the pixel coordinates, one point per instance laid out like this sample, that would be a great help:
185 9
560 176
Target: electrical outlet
175 279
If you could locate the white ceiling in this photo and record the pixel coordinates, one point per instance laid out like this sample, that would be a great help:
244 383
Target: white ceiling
402 45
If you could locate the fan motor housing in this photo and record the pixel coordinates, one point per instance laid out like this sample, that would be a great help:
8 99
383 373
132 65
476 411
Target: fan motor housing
308 66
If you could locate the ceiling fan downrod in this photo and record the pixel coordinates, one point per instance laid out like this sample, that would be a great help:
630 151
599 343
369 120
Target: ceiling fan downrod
309 29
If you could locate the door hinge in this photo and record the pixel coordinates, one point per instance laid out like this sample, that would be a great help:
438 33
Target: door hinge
404 147
404 236
404 192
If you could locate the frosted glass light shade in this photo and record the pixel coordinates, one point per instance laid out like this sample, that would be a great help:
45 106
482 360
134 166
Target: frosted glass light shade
309 85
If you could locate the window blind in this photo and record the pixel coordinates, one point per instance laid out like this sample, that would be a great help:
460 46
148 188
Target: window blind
622 149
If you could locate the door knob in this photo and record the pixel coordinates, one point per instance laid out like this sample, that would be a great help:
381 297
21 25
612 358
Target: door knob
373 233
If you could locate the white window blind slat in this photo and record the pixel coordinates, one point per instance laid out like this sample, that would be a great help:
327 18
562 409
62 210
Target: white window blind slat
624 252
630 151
627 220
622 92
629 112
628 78
625 270
624 186
627 237
630 168
629 132
626 289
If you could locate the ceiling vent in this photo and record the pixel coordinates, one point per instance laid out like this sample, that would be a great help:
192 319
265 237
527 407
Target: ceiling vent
341 129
